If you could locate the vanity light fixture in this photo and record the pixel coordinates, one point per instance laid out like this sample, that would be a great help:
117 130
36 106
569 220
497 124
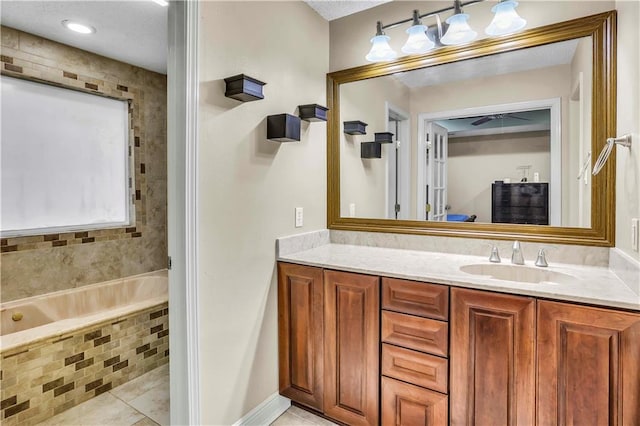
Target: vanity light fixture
78 27
506 19
380 49
163 3
459 31
417 42
455 31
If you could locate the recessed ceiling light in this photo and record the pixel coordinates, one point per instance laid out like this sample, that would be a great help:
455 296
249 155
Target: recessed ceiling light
161 2
78 27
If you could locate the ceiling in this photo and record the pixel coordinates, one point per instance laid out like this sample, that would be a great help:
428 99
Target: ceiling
503 63
497 123
335 9
130 31
134 32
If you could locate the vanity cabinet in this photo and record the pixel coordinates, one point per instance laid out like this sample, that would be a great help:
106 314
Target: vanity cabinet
415 347
300 330
588 365
492 358
366 350
351 347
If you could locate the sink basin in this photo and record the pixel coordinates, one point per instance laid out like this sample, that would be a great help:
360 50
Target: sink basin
518 273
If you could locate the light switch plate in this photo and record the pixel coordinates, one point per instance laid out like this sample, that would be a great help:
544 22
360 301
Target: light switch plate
299 217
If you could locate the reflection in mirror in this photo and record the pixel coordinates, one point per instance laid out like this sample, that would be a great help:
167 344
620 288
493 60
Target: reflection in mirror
494 139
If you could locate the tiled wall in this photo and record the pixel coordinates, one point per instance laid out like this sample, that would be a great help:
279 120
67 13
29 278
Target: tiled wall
43 379
45 263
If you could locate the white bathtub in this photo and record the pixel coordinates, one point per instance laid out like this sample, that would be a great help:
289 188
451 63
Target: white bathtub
54 314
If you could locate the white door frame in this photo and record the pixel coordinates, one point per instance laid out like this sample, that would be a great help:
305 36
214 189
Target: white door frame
555 170
182 200
404 175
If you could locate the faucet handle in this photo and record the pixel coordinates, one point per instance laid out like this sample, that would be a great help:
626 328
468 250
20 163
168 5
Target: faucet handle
541 260
495 256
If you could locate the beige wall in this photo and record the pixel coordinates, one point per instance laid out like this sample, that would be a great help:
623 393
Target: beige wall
474 163
628 160
363 182
249 187
38 266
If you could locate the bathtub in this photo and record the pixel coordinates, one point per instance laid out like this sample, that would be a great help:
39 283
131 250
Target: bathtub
63 348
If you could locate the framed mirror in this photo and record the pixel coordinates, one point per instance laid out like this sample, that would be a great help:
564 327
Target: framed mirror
494 139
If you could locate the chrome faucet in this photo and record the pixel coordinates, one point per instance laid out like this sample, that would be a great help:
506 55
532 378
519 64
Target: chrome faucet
516 254
495 256
542 259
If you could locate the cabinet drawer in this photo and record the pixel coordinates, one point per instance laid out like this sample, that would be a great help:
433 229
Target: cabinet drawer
414 367
410 297
417 333
405 405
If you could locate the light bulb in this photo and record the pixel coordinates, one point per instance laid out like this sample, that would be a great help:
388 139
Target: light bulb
78 27
459 31
380 50
417 42
506 19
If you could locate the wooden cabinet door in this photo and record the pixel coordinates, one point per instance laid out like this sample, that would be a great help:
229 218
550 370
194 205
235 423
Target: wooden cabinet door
300 333
492 359
404 404
588 366
351 360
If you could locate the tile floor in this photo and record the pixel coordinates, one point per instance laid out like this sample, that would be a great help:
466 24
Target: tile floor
144 401
295 416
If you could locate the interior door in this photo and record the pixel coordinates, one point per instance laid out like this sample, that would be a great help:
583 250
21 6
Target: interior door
436 172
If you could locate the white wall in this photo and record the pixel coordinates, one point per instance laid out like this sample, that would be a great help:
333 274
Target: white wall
249 187
474 163
363 182
628 160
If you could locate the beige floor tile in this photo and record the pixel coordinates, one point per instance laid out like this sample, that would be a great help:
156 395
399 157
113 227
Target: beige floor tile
154 404
146 422
290 419
310 416
138 386
101 410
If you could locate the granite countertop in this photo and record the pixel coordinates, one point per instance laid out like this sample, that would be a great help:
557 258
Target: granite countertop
587 284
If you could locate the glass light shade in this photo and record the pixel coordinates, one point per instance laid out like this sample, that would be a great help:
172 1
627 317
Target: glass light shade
380 50
506 19
459 31
417 42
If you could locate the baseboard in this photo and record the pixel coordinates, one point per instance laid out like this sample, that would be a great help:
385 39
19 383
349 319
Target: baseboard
265 413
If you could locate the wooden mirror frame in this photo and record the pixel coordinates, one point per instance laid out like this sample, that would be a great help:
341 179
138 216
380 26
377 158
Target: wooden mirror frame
602 29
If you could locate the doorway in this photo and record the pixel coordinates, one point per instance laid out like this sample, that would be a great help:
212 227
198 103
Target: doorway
398 156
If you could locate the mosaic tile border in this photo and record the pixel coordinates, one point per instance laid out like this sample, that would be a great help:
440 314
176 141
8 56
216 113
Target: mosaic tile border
48 377
15 63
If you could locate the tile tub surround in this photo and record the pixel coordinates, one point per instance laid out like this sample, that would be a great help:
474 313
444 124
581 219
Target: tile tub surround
47 263
62 312
593 284
81 343
48 377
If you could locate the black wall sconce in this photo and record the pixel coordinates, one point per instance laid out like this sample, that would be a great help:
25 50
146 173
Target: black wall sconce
370 150
355 128
244 88
384 137
312 112
283 128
